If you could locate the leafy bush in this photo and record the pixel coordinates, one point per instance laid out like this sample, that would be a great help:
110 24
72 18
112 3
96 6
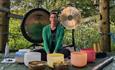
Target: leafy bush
85 35
16 40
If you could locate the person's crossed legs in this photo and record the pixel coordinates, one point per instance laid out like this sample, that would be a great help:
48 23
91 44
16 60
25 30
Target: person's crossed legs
64 51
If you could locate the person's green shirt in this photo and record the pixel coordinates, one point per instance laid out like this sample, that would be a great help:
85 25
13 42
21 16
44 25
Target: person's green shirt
46 34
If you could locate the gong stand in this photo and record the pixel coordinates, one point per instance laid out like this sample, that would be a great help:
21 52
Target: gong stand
73 39
72 15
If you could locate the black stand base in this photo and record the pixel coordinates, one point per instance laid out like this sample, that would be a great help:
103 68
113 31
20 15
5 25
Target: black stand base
101 55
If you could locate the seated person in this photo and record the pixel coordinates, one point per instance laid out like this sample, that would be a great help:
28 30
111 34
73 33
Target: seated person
53 38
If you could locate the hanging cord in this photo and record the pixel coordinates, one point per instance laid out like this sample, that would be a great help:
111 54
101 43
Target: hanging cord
111 34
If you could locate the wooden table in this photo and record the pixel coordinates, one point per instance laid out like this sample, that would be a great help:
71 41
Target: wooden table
16 66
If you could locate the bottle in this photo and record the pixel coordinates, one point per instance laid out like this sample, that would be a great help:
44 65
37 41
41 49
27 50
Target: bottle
6 55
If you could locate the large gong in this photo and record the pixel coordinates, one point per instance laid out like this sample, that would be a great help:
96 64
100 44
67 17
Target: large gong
33 23
70 19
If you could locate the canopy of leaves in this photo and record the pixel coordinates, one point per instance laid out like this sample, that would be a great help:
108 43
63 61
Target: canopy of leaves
85 35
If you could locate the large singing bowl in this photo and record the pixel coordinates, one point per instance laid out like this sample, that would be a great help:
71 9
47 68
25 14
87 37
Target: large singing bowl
33 23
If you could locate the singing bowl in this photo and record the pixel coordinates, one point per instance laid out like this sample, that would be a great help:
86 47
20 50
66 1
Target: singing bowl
55 58
31 56
91 55
70 17
79 59
33 23
62 66
37 65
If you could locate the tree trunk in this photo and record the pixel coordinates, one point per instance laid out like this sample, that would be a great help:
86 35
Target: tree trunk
105 26
4 24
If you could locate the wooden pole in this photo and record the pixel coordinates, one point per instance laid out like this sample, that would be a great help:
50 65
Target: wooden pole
4 24
105 25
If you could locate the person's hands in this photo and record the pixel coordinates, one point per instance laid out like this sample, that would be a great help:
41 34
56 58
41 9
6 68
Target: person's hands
48 52
54 52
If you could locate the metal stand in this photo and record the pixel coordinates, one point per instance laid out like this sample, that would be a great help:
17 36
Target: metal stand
34 45
73 39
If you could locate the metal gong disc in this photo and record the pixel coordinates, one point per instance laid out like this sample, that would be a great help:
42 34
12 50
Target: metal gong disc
33 23
70 17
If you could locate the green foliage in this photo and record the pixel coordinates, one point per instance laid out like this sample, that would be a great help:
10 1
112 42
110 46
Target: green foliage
112 15
16 40
85 35
55 4
86 6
